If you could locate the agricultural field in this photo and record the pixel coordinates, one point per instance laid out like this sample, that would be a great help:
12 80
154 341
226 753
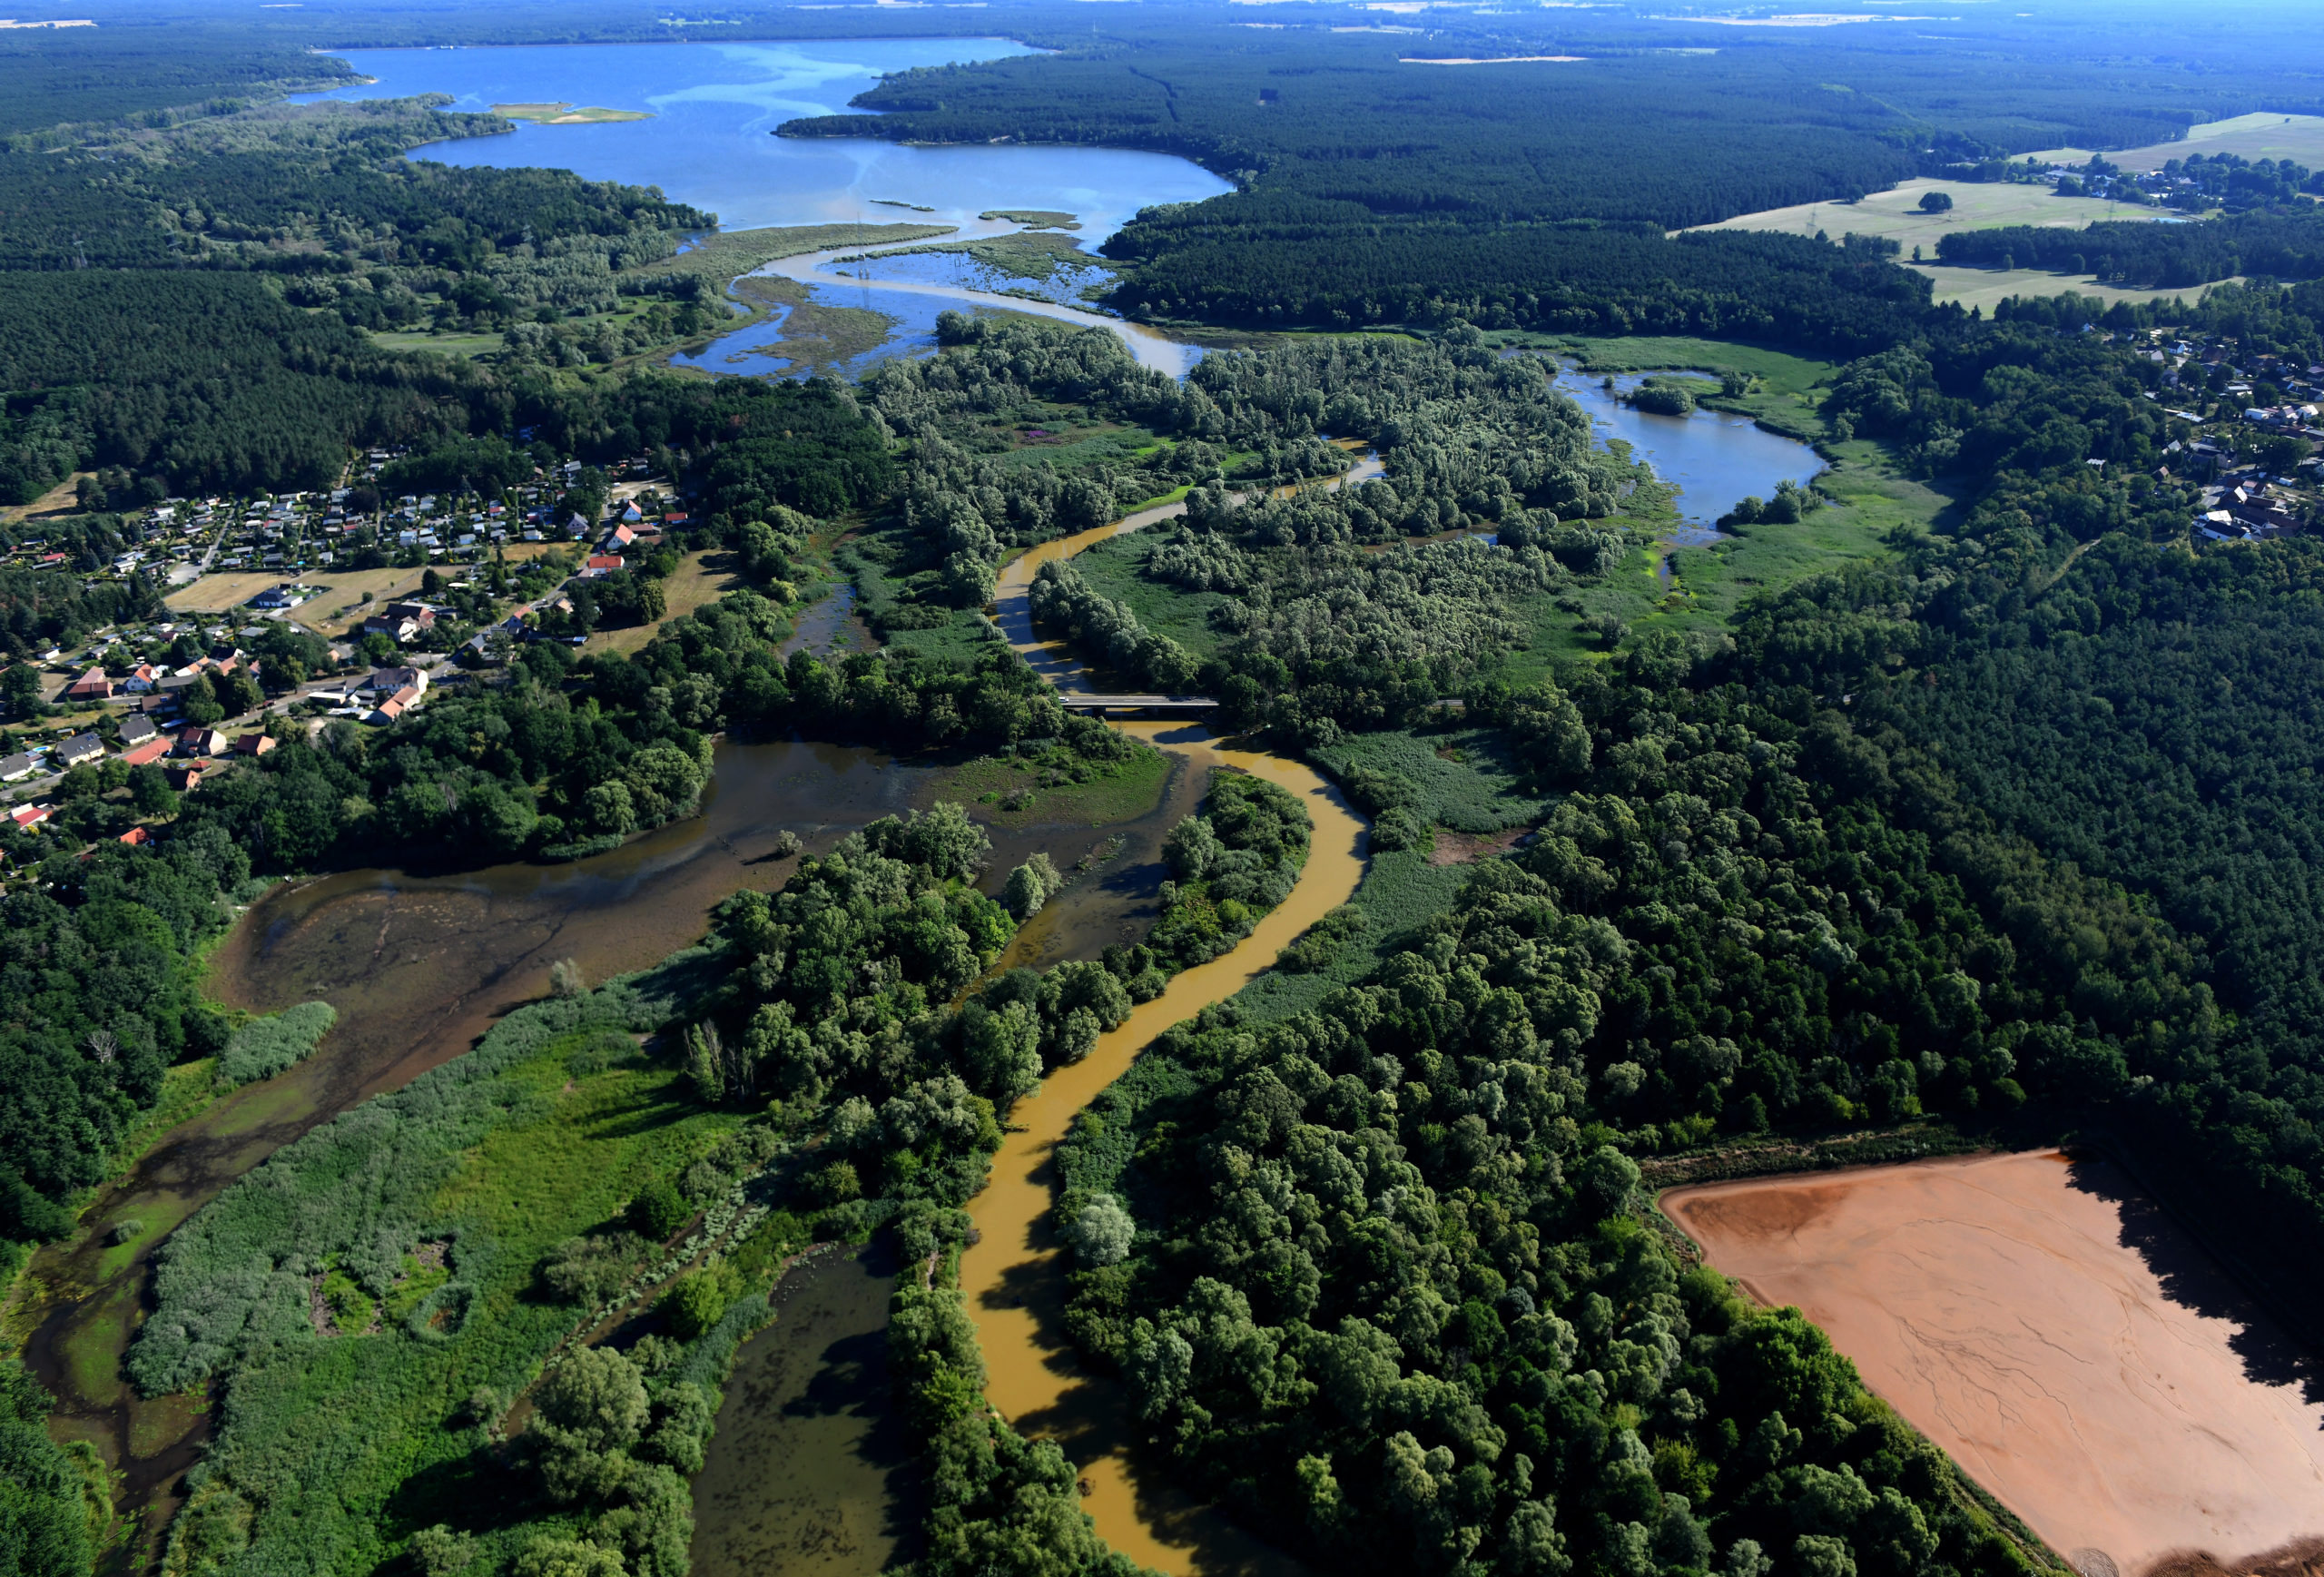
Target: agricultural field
1895 215
2263 135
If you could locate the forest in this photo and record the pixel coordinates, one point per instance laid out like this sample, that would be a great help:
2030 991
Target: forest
1381 1274
2282 243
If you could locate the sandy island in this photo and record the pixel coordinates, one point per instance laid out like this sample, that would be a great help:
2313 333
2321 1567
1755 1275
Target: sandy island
2045 1324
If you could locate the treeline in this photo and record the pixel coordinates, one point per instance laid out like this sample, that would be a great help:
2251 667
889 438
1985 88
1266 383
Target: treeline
2148 716
323 194
99 961
2282 243
1343 119
1418 1327
203 381
61 79
1267 260
193 381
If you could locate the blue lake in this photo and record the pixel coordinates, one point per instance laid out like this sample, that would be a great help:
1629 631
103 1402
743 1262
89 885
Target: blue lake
1714 460
715 107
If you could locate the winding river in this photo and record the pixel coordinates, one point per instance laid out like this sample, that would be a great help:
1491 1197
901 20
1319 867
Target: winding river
421 965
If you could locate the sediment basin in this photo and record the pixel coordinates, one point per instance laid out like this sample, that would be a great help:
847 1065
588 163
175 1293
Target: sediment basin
2041 1319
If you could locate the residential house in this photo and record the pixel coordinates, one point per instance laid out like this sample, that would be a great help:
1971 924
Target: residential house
27 817
136 837
15 768
576 526
185 779
275 597
401 621
204 742
253 744
390 680
136 730
92 685
81 748
394 706
149 751
141 680
598 564
619 537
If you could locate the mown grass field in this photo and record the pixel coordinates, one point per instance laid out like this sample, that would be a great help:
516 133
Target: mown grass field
1895 215
701 579
2264 135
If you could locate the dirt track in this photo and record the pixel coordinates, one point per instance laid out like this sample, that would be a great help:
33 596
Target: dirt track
2042 1321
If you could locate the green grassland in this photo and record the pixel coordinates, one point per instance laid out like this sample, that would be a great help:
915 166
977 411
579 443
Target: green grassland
1399 891
1073 439
884 599
1870 498
1017 792
1466 779
1117 569
1896 215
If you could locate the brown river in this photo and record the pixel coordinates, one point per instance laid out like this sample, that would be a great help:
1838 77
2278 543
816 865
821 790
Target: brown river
420 965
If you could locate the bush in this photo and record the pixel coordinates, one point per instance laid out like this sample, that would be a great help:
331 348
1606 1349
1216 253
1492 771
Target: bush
696 1302
659 1210
266 1047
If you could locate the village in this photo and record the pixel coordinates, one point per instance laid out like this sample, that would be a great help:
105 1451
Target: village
2250 439
285 612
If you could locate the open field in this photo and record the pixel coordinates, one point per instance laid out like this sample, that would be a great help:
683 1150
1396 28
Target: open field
63 499
2299 138
329 612
2048 1326
1117 569
703 577
218 593
441 344
1896 215
1981 288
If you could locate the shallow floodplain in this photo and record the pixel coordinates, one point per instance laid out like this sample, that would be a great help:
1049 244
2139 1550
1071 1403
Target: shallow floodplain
2038 1318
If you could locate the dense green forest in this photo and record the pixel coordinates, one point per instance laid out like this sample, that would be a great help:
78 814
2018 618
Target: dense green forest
1467 209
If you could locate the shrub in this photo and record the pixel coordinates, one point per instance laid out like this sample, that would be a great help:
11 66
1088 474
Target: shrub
659 1210
264 1048
696 1302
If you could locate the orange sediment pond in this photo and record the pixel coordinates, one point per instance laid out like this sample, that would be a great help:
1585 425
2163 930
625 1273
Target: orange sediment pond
2040 1319
1014 1279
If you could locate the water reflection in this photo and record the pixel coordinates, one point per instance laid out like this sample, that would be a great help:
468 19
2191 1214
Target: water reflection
714 108
811 1469
1713 458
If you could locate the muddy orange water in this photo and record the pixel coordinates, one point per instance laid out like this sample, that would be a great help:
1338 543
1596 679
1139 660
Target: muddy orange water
2041 1320
1014 1279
